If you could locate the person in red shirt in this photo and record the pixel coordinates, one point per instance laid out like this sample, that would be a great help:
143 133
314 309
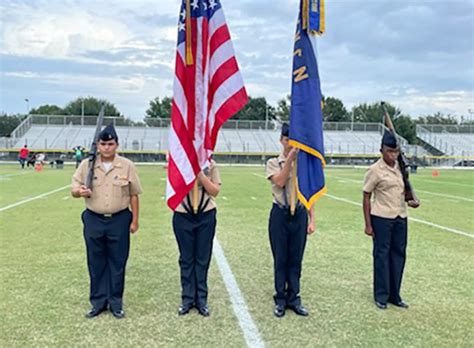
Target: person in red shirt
23 156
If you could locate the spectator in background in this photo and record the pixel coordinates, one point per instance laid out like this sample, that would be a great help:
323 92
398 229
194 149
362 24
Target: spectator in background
23 156
31 160
78 154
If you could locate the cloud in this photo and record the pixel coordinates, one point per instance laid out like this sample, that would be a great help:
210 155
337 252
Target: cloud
418 55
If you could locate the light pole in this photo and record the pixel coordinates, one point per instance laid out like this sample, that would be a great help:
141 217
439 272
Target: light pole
27 105
82 111
471 112
266 115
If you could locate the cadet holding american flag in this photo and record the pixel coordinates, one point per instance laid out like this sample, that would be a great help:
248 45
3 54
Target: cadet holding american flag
208 90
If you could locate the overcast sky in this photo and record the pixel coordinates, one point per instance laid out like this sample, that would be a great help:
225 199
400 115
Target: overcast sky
416 54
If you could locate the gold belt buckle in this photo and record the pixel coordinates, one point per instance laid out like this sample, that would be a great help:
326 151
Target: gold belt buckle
108 215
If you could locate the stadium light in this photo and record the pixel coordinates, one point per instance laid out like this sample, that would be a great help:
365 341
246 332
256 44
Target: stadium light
27 105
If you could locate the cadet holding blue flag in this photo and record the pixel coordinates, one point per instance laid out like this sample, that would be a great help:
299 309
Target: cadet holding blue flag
287 230
297 174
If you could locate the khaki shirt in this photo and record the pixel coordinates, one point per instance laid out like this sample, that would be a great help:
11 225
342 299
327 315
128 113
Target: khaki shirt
111 191
213 174
386 184
274 166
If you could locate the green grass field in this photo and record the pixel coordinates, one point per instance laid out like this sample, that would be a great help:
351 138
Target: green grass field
44 280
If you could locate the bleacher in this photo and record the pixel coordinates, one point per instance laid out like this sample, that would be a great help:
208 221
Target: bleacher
235 137
451 140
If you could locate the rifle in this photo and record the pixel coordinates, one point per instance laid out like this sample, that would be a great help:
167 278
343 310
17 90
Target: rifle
410 195
93 151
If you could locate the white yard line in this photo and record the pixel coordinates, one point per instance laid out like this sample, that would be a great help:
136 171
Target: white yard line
444 228
33 198
417 190
250 330
437 181
5 176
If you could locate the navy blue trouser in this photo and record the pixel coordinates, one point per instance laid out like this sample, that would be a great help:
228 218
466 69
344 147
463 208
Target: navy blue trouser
390 242
108 244
195 236
288 240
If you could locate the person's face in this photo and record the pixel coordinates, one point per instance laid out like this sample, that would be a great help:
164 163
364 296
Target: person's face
285 142
107 148
389 154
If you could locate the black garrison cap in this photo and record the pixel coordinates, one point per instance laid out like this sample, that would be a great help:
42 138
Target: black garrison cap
285 130
108 133
389 139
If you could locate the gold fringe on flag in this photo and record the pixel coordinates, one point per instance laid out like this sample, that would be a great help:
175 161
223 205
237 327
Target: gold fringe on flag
305 14
322 18
189 43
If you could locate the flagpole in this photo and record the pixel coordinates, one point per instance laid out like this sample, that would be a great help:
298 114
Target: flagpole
293 189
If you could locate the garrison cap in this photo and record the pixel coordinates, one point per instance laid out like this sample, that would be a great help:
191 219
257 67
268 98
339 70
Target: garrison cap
389 139
108 133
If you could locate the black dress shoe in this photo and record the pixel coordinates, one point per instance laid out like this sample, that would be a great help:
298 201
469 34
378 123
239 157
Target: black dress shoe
93 312
279 311
183 310
204 311
300 310
401 304
120 314
381 305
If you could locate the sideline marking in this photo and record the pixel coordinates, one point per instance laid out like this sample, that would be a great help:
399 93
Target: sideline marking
33 198
251 333
417 190
449 229
444 228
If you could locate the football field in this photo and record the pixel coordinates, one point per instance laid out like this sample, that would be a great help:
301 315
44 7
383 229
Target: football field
44 279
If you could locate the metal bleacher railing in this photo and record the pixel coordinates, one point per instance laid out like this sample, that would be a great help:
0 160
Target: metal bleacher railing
452 140
64 132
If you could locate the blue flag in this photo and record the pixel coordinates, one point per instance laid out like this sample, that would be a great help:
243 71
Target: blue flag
306 117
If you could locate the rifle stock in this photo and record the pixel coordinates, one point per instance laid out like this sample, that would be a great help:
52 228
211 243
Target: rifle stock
402 160
93 151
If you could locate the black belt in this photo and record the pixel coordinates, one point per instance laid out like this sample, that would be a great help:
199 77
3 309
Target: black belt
298 206
108 216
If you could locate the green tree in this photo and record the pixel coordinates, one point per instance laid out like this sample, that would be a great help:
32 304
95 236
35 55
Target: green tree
159 109
283 109
255 110
437 118
373 112
404 124
8 123
91 107
406 127
334 110
47 109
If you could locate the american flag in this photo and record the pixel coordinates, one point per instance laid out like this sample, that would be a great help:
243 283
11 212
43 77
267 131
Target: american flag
208 90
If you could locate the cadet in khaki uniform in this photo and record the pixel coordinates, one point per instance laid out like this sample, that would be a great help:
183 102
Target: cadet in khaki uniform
386 221
108 222
195 234
287 233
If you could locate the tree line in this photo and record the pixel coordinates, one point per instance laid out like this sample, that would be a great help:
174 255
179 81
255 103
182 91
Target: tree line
257 109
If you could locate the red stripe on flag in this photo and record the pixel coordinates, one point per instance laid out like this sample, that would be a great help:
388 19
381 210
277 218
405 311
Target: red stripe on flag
225 71
176 180
226 111
186 142
220 36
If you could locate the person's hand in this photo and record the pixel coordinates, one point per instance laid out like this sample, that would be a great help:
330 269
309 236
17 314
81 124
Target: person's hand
311 227
292 154
134 226
413 203
85 192
369 231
